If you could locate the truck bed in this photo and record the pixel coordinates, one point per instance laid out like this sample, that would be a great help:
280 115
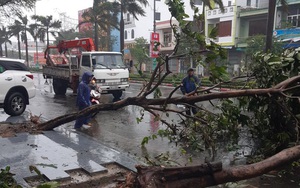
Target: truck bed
61 71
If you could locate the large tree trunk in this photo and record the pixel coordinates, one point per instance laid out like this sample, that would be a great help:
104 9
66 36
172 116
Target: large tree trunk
26 47
47 33
209 174
270 24
144 102
122 28
5 46
19 46
96 38
1 51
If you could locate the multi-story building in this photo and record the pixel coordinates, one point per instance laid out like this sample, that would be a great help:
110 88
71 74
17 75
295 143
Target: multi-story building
287 24
144 26
246 18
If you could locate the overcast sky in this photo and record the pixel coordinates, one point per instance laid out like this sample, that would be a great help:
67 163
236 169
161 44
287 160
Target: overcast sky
54 7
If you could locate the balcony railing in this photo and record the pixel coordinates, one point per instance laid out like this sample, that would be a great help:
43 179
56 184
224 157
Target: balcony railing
216 12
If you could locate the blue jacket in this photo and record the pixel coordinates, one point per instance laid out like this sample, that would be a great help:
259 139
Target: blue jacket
189 84
83 92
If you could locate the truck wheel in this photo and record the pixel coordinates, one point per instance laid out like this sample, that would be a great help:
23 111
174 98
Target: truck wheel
117 94
60 86
15 104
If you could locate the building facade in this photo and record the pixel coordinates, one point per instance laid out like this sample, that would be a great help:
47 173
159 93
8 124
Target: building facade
145 25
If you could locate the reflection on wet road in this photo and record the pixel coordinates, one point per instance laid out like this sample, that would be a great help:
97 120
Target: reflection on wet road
118 129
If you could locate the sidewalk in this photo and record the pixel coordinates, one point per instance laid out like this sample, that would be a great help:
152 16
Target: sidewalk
66 156
171 85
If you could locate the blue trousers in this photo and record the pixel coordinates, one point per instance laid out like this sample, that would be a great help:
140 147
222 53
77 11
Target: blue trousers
82 120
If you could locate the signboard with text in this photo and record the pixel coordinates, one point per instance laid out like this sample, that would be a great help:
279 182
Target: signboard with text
154 48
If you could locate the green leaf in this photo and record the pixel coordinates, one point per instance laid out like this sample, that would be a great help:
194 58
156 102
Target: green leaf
145 141
52 184
214 33
154 137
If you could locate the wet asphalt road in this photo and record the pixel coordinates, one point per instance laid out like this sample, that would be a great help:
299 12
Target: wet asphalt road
116 129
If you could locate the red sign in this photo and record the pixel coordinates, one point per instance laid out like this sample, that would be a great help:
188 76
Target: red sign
84 26
39 58
154 48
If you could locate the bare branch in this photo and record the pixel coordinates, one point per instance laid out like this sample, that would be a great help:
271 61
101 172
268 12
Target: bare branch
162 120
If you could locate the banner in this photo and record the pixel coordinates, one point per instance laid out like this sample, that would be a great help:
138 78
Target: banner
154 39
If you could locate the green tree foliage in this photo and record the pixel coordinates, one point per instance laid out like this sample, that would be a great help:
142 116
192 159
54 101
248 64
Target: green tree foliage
131 7
103 15
276 118
16 29
5 34
258 43
7 180
8 8
139 51
21 24
72 34
46 25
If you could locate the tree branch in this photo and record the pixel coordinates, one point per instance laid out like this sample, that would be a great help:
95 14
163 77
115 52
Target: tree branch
211 174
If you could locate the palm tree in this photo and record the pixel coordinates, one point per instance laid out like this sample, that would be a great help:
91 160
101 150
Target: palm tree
21 25
132 7
104 15
16 29
270 23
45 24
5 35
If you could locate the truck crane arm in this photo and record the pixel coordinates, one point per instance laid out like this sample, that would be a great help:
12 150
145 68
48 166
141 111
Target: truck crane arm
63 46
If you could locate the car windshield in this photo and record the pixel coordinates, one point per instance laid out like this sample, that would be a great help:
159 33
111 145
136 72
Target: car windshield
110 61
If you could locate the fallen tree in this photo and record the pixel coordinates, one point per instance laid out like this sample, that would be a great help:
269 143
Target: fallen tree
195 176
269 94
210 174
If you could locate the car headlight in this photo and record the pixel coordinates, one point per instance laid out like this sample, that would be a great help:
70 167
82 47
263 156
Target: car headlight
124 79
100 81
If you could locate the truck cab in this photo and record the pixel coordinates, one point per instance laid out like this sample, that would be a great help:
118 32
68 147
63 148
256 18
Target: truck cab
109 70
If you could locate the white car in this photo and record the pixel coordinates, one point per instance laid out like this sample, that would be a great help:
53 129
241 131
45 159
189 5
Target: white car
17 86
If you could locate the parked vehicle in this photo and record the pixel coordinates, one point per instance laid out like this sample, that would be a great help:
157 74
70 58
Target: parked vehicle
68 60
17 86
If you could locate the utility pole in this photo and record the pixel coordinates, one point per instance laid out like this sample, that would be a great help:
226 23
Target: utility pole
154 22
36 43
122 30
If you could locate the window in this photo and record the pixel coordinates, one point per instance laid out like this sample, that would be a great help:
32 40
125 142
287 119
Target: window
1 69
294 20
125 34
13 65
128 17
86 61
157 15
132 33
198 2
248 2
167 39
229 3
257 27
225 29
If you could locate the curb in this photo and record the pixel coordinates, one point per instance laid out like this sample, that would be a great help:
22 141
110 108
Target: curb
171 85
